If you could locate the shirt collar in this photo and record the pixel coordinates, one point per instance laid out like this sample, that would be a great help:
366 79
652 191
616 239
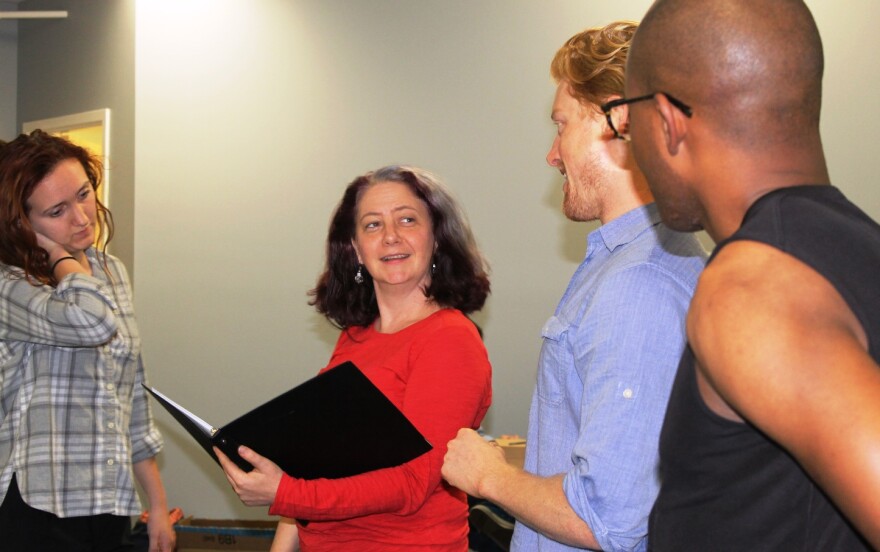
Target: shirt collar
627 226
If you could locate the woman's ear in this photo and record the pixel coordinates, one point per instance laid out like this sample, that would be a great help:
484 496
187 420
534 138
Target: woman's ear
356 252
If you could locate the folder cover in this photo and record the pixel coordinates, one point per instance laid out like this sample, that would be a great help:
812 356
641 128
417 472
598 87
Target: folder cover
334 425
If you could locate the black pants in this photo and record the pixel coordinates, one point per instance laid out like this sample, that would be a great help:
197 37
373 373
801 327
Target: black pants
26 529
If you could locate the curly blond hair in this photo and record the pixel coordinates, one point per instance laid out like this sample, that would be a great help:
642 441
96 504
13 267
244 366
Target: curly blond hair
593 62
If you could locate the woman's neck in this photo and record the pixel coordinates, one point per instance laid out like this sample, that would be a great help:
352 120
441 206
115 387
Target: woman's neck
396 314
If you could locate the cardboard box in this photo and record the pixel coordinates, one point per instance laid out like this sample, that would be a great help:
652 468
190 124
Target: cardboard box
224 535
514 448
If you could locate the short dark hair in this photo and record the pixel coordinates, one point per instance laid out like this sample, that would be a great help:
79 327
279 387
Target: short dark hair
768 94
24 163
460 279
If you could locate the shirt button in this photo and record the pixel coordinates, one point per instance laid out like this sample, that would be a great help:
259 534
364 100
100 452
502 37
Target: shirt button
111 425
110 462
627 393
110 387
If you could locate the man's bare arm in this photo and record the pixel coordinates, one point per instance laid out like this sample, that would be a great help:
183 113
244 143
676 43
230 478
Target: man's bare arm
777 345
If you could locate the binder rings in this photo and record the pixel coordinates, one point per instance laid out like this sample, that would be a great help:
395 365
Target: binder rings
334 425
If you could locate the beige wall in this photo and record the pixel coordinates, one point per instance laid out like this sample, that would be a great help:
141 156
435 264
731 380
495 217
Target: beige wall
851 110
252 115
8 73
251 118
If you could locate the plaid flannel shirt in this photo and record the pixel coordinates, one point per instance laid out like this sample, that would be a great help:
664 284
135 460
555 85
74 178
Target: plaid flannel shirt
73 415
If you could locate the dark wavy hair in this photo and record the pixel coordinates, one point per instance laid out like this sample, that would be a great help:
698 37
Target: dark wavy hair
459 281
24 163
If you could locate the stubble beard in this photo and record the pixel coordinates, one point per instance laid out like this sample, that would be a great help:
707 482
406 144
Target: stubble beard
582 200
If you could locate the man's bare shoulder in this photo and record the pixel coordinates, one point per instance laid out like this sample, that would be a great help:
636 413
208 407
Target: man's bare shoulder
777 345
751 283
764 328
745 280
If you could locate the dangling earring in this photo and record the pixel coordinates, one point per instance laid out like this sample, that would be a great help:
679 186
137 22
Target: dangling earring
433 268
359 277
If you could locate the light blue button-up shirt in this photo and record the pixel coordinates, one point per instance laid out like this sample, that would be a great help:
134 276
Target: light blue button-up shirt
606 367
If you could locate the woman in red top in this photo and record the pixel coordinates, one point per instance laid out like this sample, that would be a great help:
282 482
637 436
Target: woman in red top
402 271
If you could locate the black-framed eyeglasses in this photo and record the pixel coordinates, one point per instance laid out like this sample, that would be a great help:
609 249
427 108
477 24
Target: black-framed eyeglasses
607 107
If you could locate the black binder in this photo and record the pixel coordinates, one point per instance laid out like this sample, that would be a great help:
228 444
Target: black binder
334 425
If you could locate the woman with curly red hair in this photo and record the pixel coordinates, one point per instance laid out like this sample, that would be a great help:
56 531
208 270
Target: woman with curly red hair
75 426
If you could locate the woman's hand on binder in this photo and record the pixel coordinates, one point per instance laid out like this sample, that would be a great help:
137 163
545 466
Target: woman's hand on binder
256 487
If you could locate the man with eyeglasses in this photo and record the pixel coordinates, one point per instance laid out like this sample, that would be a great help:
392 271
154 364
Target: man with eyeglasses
610 350
772 436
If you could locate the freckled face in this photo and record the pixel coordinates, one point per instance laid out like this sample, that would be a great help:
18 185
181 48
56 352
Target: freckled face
394 236
62 207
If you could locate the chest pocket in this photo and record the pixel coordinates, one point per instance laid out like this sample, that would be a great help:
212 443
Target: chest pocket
555 361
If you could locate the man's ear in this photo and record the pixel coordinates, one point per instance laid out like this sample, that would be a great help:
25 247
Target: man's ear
619 115
675 123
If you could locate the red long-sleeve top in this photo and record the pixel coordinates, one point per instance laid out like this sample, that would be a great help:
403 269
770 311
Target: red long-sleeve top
437 372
